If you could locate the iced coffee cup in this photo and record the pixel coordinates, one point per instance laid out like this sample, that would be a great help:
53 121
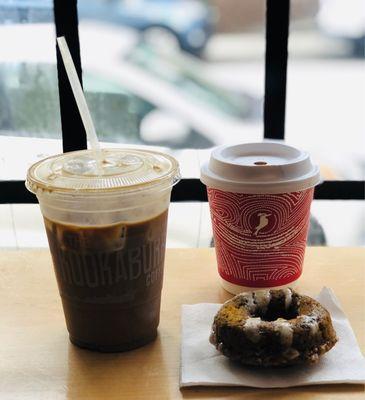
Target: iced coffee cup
106 226
259 196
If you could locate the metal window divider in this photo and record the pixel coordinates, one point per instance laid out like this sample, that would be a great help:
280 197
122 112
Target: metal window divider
66 22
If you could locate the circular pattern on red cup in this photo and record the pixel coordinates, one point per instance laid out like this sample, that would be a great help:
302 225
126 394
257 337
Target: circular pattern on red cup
260 239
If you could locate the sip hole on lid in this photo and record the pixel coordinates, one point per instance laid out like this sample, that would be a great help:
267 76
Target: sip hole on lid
260 163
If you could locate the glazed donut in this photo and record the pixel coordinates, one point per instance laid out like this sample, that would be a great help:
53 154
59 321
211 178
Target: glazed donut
272 328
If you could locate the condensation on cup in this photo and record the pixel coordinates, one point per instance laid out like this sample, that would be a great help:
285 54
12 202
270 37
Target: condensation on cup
106 224
259 196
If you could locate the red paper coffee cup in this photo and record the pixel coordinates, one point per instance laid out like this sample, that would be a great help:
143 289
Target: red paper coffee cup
259 196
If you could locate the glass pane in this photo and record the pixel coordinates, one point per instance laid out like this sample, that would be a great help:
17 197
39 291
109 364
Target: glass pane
29 105
326 86
160 72
185 74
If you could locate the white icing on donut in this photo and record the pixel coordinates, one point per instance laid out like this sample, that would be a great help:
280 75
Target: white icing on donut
262 298
311 322
288 297
291 353
286 332
251 327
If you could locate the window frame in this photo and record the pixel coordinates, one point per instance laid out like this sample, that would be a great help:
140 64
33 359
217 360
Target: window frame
276 57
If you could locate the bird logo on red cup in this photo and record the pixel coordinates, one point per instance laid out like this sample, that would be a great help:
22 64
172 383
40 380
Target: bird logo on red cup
263 222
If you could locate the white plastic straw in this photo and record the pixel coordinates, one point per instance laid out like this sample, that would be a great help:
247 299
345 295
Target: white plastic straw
79 96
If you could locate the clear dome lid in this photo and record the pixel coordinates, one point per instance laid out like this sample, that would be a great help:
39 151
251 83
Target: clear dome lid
117 170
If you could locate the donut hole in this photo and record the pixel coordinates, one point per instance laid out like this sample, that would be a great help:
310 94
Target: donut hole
272 316
277 311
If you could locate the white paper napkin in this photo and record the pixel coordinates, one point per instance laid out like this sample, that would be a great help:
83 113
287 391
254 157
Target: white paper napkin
203 365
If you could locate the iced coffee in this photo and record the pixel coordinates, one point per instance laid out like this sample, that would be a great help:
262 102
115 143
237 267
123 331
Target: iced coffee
107 243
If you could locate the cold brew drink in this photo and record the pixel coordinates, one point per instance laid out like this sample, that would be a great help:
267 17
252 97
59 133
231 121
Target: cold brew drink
108 246
110 280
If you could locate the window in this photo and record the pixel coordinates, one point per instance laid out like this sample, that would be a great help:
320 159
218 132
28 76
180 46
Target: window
326 87
29 104
188 76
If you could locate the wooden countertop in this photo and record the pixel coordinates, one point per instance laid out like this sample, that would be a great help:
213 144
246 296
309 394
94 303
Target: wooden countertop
38 362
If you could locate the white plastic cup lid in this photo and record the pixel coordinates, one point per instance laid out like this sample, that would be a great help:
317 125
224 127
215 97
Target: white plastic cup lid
259 168
127 170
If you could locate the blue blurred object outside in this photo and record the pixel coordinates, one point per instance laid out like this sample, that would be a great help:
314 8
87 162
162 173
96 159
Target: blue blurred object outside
188 22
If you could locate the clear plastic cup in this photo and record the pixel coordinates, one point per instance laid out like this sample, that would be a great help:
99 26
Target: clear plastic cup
259 196
106 227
